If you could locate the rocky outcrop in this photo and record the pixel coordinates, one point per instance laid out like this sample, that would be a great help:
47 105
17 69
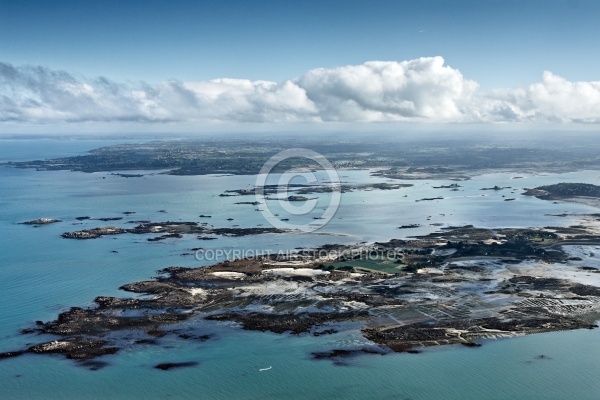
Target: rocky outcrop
280 323
41 221
171 365
77 348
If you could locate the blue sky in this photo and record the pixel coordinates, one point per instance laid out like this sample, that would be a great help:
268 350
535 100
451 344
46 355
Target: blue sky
496 44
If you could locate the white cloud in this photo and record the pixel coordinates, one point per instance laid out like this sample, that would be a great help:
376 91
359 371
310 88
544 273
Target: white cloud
554 99
420 90
247 101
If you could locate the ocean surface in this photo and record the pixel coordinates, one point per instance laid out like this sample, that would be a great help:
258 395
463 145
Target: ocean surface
42 274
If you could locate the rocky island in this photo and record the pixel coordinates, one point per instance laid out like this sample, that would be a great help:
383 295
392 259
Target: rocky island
457 286
302 189
585 193
564 191
41 221
168 229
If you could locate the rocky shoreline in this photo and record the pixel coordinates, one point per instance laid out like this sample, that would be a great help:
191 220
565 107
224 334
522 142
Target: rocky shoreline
425 302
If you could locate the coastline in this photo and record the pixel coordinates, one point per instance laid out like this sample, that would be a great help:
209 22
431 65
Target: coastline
131 369
266 294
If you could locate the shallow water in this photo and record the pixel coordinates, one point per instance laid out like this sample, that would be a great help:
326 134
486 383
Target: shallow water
42 274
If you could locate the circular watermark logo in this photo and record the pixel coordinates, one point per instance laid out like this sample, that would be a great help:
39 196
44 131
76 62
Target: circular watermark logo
292 197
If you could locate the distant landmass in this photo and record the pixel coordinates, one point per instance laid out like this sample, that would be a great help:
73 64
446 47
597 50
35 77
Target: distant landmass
399 159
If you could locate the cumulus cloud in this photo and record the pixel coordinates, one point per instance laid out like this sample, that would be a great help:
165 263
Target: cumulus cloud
420 90
554 99
36 94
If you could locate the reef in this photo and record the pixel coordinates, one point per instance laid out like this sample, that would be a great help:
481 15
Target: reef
171 365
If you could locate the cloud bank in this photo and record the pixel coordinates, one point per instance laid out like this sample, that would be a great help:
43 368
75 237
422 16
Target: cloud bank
420 90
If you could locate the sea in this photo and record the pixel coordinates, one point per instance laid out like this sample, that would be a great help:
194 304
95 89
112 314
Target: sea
42 274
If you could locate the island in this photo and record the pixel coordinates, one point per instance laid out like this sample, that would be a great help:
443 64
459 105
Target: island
299 198
460 285
561 191
168 229
496 188
41 221
302 189
585 193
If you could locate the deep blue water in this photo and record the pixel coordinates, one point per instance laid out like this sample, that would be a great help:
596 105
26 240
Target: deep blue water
42 274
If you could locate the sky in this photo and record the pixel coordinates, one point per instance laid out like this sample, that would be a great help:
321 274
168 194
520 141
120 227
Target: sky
202 65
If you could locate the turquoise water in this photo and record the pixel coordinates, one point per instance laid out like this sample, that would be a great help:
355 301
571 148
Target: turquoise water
42 274
229 369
